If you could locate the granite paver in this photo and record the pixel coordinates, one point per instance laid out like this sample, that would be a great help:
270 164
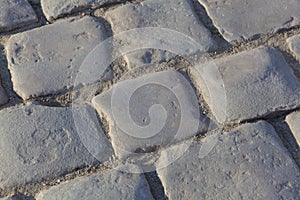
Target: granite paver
256 83
47 59
293 121
176 15
242 19
55 9
39 142
294 45
249 162
15 13
130 108
107 185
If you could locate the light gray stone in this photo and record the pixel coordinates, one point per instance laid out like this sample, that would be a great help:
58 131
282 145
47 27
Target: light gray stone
175 15
47 59
150 111
294 45
242 19
39 142
248 85
15 13
58 8
3 96
248 163
293 121
108 185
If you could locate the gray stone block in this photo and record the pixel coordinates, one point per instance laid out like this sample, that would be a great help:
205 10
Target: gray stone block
293 121
294 45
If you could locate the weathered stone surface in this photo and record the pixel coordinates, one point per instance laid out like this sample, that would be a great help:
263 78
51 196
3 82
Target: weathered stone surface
109 185
248 85
175 15
15 13
39 142
293 121
55 9
248 163
294 45
3 96
47 59
242 19
153 110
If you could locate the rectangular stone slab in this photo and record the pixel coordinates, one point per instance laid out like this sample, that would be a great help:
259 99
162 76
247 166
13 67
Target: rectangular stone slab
46 60
15 13
175 15
110 184
39 142
249 162
247 85
242 19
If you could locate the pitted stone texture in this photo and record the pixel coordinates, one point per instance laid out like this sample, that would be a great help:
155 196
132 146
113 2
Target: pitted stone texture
294 45
15 13
293 121
58 8
247 163
47 59
176 15
134 109
39 142
3 96
242 19
255 84
109 185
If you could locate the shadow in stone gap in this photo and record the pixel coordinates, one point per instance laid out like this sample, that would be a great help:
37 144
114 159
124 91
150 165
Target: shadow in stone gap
23 197
221 43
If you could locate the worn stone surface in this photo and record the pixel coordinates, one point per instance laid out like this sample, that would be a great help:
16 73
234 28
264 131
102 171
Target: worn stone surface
107 185
248 163
176 15
3 96
153 110
248 85
47 59
58 8
242 19
15 13
39 142
294 45
293 121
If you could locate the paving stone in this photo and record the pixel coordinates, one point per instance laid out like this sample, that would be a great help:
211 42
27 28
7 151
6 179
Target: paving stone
248 163
248 85
47 59
150 111
242 19
3 96
15 13
39 142
58 8
294 45
293 121
109 185
177 15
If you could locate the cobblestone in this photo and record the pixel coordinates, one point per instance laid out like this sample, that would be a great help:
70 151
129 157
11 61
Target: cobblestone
39 142
109 185
256 83
175 15
48 64
248 163
294 45
16 13
181 122
242 19
293 121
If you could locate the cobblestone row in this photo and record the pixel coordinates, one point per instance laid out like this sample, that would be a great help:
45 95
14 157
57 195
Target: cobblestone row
216 111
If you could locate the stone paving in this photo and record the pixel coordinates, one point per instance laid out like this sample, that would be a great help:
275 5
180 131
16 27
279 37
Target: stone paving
220 120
